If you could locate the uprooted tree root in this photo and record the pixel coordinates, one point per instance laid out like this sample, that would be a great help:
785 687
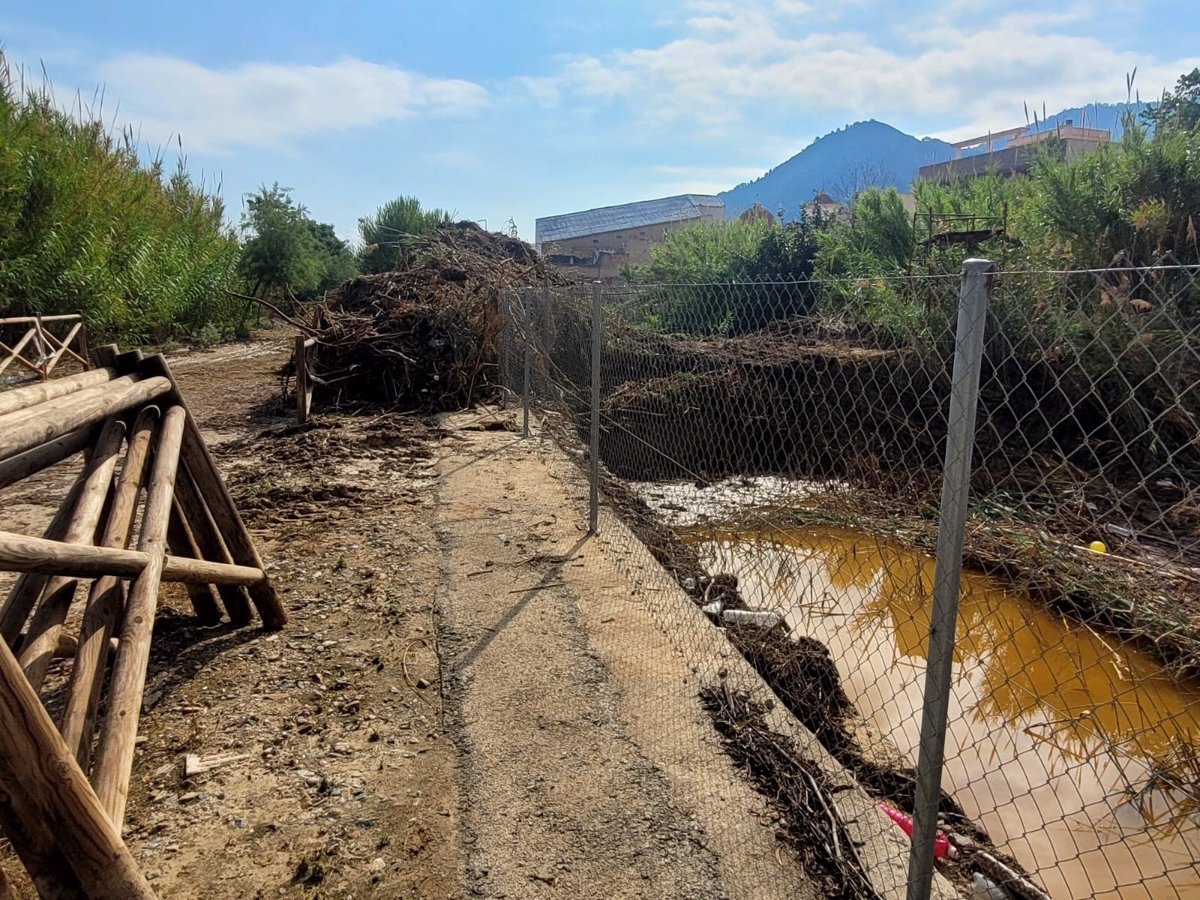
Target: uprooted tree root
799 790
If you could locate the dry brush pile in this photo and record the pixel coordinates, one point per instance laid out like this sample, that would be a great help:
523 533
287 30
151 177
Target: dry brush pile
425 335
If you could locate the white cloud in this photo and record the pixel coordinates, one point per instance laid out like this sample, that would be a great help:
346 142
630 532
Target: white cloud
731 63
273 104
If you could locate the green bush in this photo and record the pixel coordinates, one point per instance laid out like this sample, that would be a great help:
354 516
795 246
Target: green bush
728 277
383 234
86 227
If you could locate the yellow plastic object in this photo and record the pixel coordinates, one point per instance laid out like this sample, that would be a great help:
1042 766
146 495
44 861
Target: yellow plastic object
1098 547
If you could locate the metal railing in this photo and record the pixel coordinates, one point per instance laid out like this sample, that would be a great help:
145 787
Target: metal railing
814 462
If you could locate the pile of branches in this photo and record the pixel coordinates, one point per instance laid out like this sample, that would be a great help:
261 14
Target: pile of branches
426 334
799 790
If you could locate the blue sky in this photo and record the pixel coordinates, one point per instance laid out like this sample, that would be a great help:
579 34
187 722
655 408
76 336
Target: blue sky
515 110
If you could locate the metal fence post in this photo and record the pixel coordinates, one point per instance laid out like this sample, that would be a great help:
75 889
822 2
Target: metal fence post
594 444
527 330
956 483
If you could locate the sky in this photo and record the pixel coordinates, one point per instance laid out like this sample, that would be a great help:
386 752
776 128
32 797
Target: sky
503 112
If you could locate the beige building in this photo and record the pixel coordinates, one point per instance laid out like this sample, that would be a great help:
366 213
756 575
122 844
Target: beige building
1011 152
597 243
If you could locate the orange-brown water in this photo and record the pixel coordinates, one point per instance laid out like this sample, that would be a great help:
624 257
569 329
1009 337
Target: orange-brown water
1052 726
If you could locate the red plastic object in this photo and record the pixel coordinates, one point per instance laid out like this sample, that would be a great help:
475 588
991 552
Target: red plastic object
941 845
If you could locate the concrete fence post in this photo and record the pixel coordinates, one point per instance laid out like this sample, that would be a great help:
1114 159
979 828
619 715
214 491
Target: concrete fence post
956 485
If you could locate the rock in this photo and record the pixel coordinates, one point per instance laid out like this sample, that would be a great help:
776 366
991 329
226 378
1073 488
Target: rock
377 864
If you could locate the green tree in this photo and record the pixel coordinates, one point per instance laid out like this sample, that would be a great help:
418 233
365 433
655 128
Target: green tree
730 277
383 234
286 255
280 252
1178 110
336 260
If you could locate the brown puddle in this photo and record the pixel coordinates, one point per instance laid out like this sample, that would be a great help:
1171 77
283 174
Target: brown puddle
1052 726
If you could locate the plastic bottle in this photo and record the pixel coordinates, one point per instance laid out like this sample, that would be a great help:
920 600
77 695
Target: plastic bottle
941 846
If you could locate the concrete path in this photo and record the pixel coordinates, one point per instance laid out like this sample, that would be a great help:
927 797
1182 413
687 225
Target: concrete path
589 769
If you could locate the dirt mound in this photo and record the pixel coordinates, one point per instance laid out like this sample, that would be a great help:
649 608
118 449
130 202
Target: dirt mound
424 335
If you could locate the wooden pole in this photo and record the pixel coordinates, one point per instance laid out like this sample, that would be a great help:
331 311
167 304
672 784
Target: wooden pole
46 455
114 757
13 354
212 547
43 349
116 397
301 354
183 545
19 553
208 480
33 394
70 401
29 320
63 346
60 590
54 820
106 599
83 356
25 592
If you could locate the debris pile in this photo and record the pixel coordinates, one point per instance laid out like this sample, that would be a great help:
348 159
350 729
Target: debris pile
425 335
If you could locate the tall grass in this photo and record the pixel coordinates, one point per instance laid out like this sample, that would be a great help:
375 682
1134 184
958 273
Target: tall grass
86 226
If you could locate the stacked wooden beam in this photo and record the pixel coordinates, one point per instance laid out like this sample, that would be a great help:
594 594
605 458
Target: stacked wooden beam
64 785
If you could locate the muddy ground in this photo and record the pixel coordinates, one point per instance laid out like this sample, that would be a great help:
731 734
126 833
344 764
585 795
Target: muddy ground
469 700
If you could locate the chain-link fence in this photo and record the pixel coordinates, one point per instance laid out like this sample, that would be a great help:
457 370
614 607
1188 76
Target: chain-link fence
795 456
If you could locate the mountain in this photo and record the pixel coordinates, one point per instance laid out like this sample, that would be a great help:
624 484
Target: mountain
874 154
864 154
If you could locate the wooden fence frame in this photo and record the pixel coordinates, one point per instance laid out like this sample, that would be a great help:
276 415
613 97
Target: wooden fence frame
48 348
62 805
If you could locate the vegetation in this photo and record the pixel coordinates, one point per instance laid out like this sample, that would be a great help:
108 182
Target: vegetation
1133 203
146 253
86 226
383 234
709 278
286 255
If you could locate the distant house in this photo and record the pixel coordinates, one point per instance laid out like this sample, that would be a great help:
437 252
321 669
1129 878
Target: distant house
757 213
1010 152
598 242
824 206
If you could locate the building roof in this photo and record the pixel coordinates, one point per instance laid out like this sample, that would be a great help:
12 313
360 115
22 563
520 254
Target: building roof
627 215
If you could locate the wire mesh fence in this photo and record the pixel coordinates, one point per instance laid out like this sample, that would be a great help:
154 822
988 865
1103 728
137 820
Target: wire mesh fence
776 451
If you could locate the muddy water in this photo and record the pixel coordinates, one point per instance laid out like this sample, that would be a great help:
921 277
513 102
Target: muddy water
1051 725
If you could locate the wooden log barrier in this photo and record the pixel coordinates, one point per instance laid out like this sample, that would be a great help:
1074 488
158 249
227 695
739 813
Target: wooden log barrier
183 545
106 599
45 455
19 553
51 815
34 394
87 406
25 592
204 471
212 547
59 592
114 754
